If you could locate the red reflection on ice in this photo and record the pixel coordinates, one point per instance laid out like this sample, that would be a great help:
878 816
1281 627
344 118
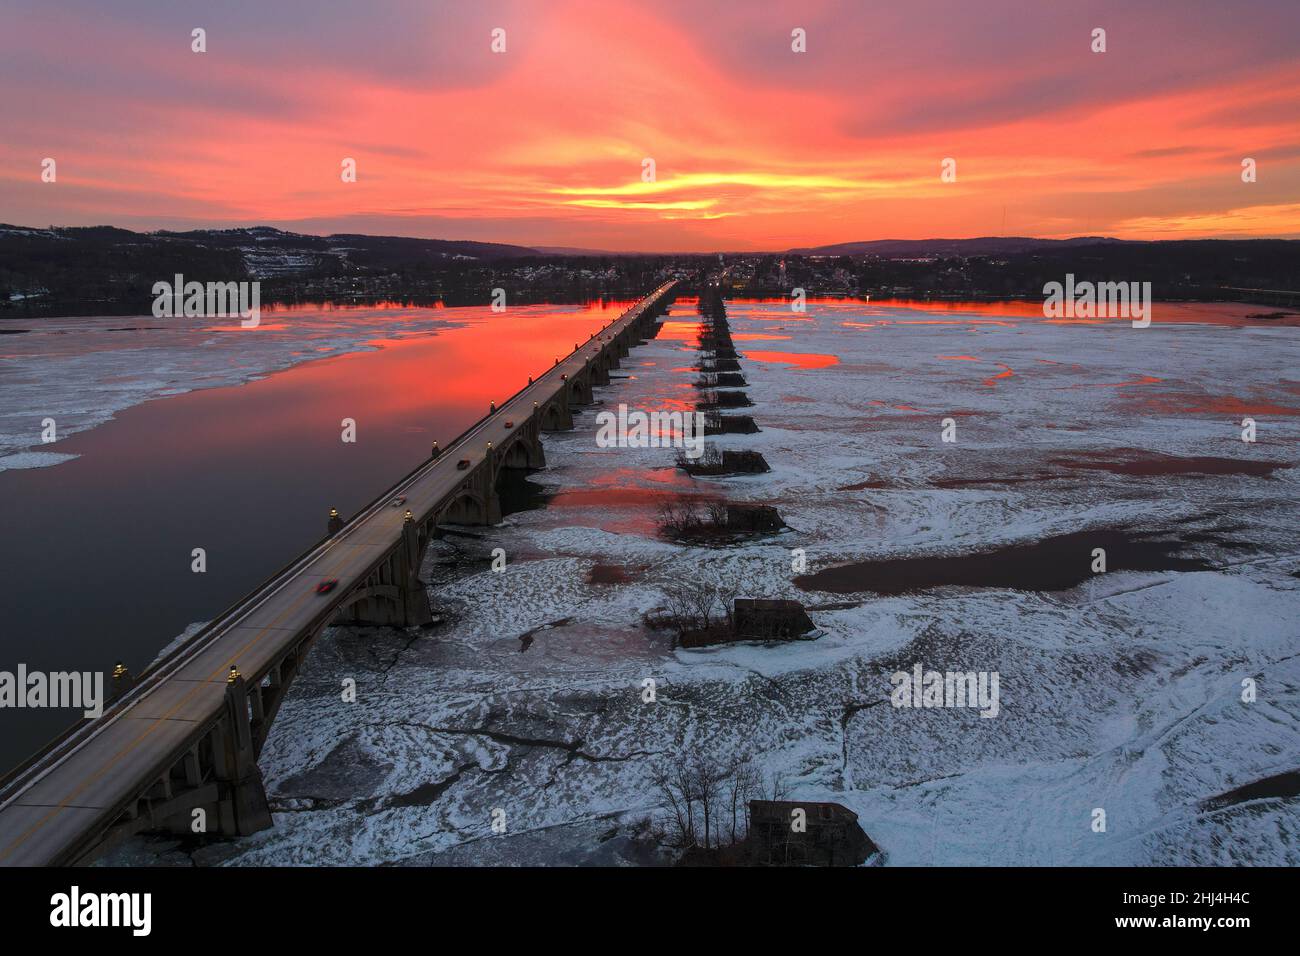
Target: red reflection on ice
1234 314
801 360
679 331
1144 380
1180 404
1006 372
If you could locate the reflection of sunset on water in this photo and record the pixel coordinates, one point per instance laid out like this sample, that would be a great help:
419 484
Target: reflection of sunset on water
802 360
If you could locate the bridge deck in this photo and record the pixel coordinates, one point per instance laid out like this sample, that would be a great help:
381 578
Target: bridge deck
89 775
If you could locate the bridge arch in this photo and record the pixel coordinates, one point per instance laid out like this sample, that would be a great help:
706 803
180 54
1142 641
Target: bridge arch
522 452
381 592
580 391
468 507
552 417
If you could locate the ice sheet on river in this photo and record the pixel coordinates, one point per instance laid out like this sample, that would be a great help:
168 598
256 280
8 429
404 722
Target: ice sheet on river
82 371
1123 693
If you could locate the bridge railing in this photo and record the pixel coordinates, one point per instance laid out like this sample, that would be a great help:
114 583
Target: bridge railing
163 666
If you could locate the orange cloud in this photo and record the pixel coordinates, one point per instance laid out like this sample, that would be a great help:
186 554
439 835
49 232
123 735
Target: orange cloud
755 146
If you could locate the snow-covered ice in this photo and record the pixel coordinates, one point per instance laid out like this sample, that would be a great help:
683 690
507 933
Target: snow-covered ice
82 371
1123 693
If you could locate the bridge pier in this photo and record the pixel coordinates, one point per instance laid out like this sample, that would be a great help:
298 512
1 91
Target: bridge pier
415 597
555 416
393 595
241 807
564 420
217 775
243 797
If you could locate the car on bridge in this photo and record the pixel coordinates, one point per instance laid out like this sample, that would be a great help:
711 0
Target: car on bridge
326 586
462 464
397 502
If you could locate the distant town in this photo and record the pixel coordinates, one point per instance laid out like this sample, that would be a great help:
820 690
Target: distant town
106 270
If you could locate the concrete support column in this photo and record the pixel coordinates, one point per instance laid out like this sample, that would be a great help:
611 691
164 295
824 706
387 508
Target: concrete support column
488 488
532 429
243 806
415 599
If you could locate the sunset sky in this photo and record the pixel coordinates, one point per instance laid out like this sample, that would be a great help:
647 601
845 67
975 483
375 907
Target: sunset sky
755 146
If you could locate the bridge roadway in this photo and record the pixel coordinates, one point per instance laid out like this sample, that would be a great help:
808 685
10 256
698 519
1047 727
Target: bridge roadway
181 745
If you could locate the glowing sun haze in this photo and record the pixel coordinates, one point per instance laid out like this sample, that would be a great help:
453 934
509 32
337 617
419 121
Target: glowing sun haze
755 146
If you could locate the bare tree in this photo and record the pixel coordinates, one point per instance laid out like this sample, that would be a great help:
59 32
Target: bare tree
743 783
676 784
707 783
699 793
680 517
710 460
684 605
776 790
726 592
693 604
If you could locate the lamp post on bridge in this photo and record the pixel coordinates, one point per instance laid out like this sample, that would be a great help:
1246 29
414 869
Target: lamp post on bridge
122 681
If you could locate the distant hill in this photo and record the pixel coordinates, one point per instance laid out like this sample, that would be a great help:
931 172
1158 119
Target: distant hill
1188 269
111 265
985 246
101 270
263 250
578 252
